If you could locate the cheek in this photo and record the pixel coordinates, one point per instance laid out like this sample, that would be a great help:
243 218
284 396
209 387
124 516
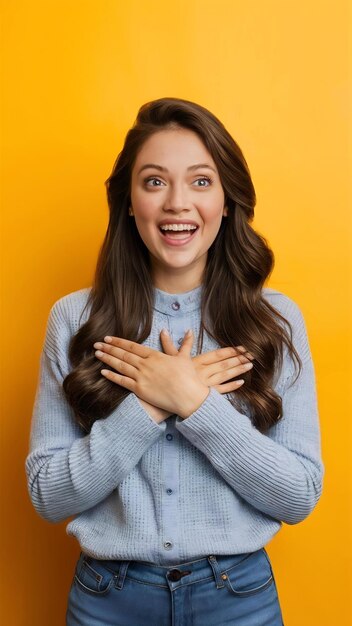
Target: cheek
144 218
211 208
144 207
213 216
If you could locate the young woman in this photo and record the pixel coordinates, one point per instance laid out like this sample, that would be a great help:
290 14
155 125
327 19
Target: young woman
179 454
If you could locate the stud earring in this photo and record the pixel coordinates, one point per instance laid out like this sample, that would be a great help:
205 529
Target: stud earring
130 211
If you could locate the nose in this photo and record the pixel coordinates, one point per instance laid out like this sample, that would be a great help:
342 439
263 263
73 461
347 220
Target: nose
177 199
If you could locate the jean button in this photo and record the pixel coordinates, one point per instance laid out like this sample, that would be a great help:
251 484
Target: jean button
167 545
169 437
169 491
179 341
175 305
174 575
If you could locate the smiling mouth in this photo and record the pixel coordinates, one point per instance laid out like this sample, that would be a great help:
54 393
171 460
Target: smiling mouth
178 234
178 237
186 234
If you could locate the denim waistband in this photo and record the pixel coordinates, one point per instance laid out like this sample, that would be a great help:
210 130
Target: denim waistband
193 571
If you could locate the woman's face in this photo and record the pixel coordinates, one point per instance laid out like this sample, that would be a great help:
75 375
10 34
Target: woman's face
175 182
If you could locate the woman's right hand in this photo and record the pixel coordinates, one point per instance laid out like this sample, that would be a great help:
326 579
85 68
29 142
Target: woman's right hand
215 368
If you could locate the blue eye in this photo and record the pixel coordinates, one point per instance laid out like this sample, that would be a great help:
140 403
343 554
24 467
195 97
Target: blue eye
206 178
147 180
203 178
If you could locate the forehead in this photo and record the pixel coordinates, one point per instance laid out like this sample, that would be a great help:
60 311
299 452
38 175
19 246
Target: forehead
173 147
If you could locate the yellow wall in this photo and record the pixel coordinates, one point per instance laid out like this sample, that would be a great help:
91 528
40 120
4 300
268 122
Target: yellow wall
75 73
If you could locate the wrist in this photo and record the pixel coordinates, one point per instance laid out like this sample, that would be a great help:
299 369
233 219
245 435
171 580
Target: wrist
157 414
194 401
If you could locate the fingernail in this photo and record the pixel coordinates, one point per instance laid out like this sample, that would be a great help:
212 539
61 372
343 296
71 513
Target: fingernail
165 331
189 332
108 339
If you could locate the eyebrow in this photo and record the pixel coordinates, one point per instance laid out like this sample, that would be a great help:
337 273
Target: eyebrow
164 169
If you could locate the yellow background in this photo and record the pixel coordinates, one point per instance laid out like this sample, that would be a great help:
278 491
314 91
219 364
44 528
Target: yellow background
74 76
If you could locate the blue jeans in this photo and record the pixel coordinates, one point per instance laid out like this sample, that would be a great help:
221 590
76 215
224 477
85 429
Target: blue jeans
235 590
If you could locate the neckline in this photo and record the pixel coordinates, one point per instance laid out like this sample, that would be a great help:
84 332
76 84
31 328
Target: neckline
177 304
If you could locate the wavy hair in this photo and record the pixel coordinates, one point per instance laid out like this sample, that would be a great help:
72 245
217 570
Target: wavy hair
233 309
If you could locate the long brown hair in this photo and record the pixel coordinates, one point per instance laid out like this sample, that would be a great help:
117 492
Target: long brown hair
238 263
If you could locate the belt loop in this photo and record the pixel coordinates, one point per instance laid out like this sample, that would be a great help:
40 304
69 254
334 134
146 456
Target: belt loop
120 577
216 569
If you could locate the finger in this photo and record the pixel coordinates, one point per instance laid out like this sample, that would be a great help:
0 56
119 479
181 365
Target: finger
167 343
187 343
228 368
117 364
227 388
129 346
119 353
227 374
124 381
214 356
243 350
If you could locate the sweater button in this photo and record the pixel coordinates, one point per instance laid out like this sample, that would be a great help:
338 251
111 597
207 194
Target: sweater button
167 545
175 305
169 437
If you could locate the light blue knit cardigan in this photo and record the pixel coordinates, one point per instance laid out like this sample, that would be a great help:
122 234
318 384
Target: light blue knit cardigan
182 489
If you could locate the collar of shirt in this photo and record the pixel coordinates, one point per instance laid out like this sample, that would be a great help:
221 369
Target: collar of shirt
177 303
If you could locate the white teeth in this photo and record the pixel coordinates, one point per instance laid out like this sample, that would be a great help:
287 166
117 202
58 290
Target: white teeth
178 227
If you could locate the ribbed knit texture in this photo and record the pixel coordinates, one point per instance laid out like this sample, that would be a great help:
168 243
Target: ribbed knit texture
171 492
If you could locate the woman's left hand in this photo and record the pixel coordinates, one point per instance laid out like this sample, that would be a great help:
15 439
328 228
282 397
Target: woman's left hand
169 382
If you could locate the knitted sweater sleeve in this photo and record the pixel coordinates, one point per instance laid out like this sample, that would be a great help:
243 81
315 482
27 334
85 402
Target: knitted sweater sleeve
69 471
280 472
